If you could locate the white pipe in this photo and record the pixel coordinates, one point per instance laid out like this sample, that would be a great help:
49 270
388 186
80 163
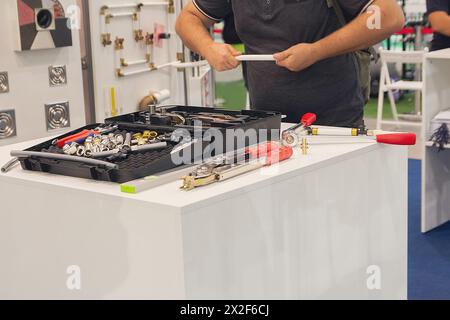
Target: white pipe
160 3
186 65
339 140
120 6
166 65
134 63
334 131
123 14
255 57
162 95
174 64
132 73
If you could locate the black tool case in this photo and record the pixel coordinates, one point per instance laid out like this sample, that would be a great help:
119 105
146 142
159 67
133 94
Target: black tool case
139 165
246 119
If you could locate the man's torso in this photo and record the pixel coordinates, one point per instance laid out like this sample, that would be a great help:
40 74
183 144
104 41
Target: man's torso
329 88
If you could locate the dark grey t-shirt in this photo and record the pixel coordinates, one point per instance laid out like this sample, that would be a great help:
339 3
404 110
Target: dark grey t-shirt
329 88
440 41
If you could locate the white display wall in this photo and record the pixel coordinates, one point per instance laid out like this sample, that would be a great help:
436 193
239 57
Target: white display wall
118 94
27 90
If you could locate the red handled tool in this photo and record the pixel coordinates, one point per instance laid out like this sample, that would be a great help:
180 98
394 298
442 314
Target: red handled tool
81 136
263 155
400 139
291 137
78 138
296 135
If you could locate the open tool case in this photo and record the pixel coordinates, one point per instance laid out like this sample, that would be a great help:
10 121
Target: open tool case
139 165
245 119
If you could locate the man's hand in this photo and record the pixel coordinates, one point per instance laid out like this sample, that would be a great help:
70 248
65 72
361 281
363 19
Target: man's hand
297 58
221 56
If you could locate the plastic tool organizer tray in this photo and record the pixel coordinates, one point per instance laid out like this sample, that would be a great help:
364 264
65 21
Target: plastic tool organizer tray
245 119
139 165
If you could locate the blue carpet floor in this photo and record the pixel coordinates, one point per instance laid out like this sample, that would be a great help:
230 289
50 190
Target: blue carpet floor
429 255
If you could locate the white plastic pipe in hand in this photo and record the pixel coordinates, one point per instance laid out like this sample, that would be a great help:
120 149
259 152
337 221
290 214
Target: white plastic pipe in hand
255 57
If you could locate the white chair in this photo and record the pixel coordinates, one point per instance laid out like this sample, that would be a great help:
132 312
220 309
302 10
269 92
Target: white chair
386 84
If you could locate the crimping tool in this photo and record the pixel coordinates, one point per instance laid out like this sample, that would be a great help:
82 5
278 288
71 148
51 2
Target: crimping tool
225 167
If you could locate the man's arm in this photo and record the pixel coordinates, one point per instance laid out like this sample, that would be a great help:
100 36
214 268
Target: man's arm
440 21
354 36
192 27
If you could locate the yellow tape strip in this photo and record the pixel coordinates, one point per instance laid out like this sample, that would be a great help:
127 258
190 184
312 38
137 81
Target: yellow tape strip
113 102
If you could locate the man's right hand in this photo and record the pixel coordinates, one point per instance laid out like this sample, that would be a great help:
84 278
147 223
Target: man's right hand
222 57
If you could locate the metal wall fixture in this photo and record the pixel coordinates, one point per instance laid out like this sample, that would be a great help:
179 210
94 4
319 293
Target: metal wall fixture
57 76
4 82
45 19
7 124
57 115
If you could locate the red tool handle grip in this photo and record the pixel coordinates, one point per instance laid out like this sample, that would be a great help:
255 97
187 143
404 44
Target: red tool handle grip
400 139
74 138
262 149
308 119
280 155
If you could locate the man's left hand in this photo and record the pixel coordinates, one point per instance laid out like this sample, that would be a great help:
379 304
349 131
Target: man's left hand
298 57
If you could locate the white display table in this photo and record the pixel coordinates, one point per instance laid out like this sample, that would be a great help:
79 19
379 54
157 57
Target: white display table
310 228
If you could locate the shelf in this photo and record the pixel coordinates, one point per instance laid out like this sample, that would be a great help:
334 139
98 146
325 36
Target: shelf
440 54
406 85
429 144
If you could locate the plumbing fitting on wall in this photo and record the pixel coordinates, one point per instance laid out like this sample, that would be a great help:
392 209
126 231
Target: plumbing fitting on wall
154 99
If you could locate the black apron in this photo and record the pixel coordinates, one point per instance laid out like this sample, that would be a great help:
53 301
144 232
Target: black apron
329 88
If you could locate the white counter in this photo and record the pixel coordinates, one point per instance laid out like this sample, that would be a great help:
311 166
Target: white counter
308 228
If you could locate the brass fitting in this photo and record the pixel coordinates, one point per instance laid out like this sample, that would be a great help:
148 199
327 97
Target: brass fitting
123 63
108 18
103 10
138 35
137 136
106 39
150 135
171 8
304 146
149 39
119 43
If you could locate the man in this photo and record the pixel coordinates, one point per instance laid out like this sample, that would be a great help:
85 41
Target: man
439 16
314 70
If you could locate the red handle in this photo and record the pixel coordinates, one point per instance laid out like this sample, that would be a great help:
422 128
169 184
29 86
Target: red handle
74 138
400 139
308 119
279 155
262 149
